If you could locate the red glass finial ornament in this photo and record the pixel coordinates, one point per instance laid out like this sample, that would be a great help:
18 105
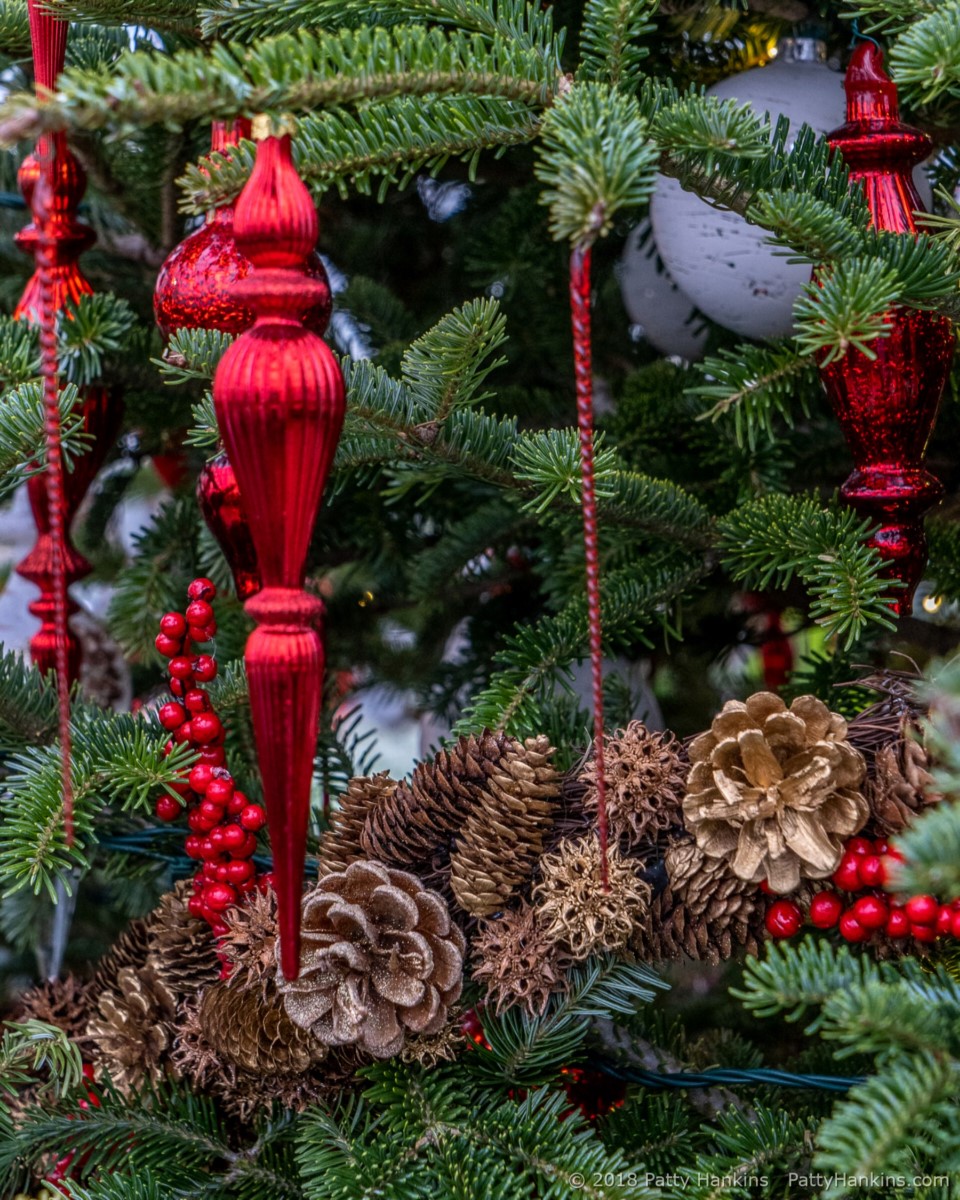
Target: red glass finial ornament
68 238
279 398
887 406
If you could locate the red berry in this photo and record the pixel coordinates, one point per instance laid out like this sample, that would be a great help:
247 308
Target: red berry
199 613
201 589
167 646
847 875
210 631
266 881
944 920
216 836
183 733
851 929
198 633
208 851
173 624
247 886
167 808
197 700
859 845
205 727
181 668
240 870
218 896
220 790
221 873
214 755
233 837
784 919
204 668
871 912
898 924
871 870
924 933
955 925
211 812
200 777
168 746
172 715
192 845
765 888
179 787
248 849
195 905
211 870
922 910
253 817
881 846
825 910
894 853
238 802
198 822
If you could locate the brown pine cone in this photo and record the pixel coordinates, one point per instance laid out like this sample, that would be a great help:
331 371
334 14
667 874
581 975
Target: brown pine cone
131 1029
518 963
502 837
901 785
252 1031
64 1003
340 844
182 951
775 792
646 779
379 958
572 907
129 950
250 943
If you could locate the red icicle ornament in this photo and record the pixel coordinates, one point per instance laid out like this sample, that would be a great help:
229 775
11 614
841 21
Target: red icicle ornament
65 283
887 406
279 399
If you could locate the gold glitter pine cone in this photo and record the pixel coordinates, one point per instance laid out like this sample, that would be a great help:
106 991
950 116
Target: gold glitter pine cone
775 791
646 779
379 959
572 907
251 1029
131 1028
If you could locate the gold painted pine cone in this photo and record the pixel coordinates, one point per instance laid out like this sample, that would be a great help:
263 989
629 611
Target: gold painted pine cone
775 791
252 1030
379 959
132 1028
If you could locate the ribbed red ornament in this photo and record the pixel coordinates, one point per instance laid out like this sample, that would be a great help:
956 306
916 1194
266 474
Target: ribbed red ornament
220 504
195 287
887 406
279 399
68 238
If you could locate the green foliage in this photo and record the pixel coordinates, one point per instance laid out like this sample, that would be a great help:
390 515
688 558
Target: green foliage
608 49
14 29
23 436
777 537
29 1049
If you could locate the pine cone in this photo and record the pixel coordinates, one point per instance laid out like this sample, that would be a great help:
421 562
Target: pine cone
646 779
253 1031
518 963
775 791
129 950
502 838
341 843
379 957
250 943
242 1092
901 785
182 951
64 1003
131 1029
572 907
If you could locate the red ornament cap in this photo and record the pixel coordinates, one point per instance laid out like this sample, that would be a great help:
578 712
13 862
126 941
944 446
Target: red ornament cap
887 405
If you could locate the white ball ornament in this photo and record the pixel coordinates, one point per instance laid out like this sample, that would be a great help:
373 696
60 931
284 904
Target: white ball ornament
726 266
655 304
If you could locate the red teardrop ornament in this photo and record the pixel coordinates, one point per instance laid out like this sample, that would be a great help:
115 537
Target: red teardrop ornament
887 406
219 499
279 398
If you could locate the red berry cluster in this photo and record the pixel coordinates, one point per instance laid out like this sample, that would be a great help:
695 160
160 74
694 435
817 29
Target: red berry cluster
223 823
864 868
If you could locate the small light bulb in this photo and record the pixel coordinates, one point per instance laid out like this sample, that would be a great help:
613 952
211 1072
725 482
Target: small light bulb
365 599
931 604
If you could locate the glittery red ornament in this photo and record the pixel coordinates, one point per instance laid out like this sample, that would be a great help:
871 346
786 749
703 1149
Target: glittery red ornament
219 499
69 237
887 406
279 398
195 287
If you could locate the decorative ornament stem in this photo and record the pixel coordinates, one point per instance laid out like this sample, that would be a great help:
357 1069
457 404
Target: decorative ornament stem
279 399
583 372
887 406
46 250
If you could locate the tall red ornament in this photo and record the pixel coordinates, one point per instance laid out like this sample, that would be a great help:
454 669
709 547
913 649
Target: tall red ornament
68 238
887 406
279 399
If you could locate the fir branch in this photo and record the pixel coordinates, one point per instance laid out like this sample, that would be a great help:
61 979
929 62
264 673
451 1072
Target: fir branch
89 330
770 540
595 159
757 385
193 354
925 59
286 74
388 143
31 1048
608 53
14 30
23 443
166 16
19 352
930 867
535 657
28 705
846 308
